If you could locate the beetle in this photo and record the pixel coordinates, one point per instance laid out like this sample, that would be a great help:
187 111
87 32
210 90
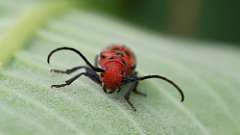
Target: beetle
114 67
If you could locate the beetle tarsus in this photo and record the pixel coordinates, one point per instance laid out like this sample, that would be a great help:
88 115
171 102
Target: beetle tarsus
135 90
139 93
58 71
59 85
68 82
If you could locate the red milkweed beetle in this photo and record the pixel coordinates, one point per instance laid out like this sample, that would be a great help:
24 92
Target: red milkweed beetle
114 67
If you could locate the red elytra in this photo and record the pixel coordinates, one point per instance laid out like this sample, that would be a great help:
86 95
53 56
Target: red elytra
118 61
113 68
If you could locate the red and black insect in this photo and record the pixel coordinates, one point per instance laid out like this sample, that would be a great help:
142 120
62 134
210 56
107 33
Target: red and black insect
113 68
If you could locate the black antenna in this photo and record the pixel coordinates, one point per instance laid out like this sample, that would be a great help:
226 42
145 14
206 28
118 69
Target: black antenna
79 53
165 79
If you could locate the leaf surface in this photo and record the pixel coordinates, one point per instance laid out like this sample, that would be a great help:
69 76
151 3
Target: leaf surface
207 74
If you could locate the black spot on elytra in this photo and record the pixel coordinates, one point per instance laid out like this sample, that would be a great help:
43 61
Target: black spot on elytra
119 54
127 53
124 62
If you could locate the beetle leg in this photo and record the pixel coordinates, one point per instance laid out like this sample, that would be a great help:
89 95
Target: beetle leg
135 90
135 83
127 98
68 82
139 93
67 71
131 89
89 73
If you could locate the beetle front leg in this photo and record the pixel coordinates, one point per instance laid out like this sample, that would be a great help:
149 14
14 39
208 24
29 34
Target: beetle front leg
127 98
127 95
68 71
135 90
89 73
135 84
68 82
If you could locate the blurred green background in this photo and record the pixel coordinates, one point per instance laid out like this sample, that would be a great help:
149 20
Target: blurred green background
213 20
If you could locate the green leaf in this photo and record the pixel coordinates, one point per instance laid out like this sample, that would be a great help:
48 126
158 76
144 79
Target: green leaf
209 76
